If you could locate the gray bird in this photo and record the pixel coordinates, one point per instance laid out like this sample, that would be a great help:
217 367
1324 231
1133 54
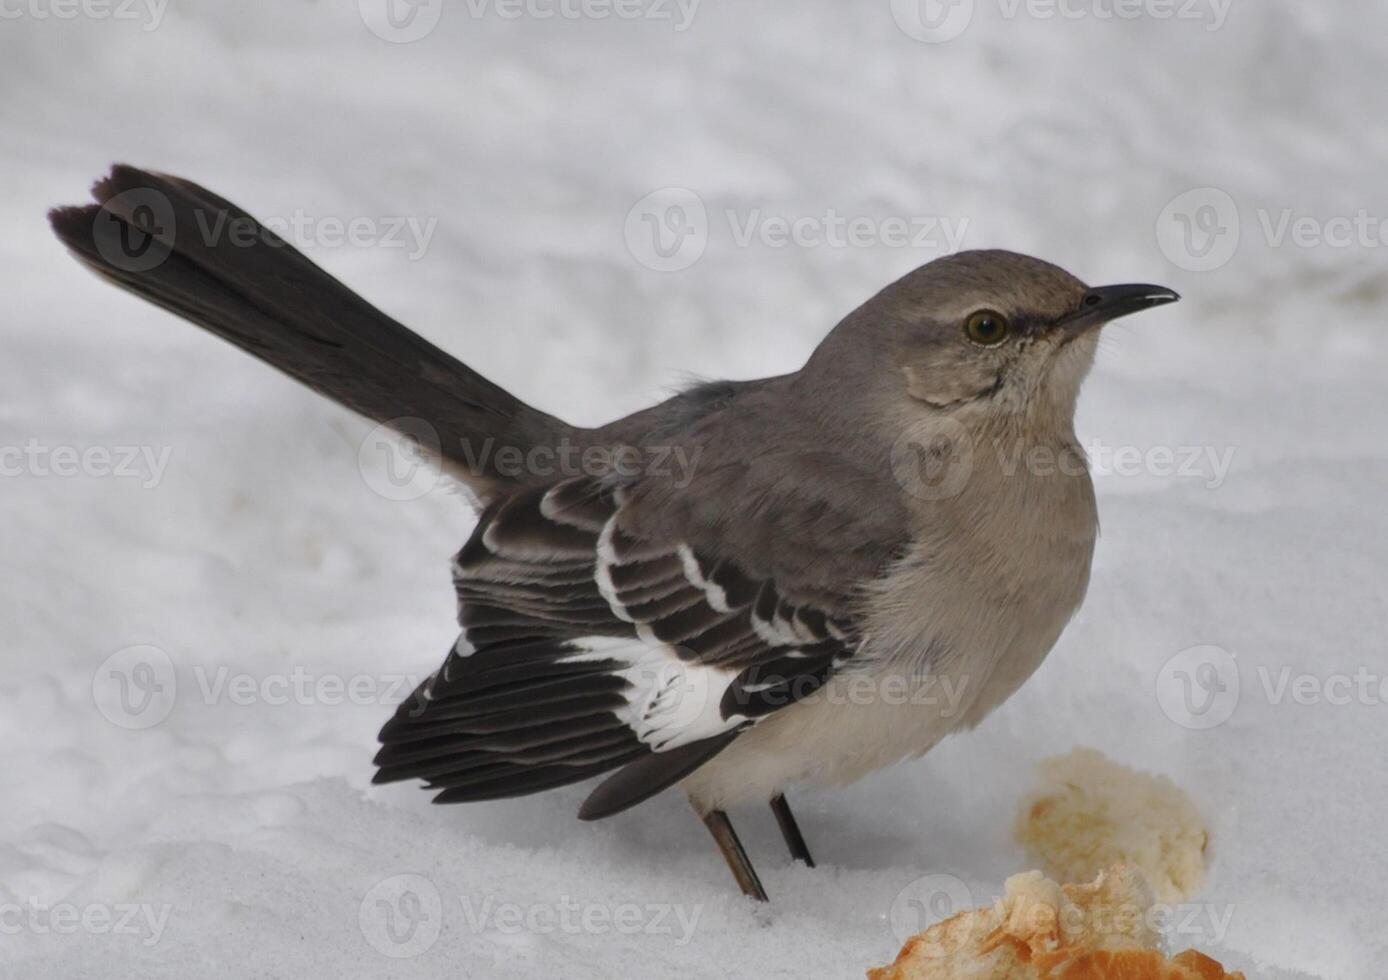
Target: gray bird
862 556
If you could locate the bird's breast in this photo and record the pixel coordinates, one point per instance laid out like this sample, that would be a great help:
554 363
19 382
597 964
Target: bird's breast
985 589
954 627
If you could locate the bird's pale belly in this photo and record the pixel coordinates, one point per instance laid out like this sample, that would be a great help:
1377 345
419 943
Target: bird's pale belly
907 689
852 726
856 724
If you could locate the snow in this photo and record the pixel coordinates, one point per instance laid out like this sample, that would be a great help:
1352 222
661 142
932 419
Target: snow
288 603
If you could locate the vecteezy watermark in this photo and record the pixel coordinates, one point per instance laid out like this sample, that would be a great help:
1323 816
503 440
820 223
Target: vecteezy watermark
1192 923
147 13
678 13
770 687
937 461
305 230
926 901
135 687
403 21
933 898
670 229
402 916
136 229
1201 687
567 458
1284 685
36 458
936 21
1209 465
569 917
1184 924
403 460
1201 229
141 920
299 686
400 21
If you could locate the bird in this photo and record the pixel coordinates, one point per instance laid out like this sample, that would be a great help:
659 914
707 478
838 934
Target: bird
863 555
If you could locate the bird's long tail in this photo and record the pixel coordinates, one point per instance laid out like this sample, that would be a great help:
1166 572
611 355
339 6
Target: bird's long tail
193 253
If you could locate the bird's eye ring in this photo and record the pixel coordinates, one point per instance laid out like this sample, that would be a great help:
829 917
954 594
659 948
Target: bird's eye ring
987 328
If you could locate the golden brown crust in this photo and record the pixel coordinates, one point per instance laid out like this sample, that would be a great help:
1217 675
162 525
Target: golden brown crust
1042 931
1131 964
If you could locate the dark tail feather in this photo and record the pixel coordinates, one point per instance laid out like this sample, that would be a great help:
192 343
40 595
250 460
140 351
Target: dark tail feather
193 253
638 781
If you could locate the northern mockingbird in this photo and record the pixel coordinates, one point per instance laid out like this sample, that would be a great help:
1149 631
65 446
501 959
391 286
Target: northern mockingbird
864 556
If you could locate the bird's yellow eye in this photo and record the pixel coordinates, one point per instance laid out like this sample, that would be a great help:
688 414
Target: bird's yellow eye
987 328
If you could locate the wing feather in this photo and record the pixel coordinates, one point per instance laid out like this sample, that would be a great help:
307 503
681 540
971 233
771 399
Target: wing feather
587 647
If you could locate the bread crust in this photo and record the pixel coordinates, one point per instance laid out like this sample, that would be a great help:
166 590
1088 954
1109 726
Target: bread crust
1040 930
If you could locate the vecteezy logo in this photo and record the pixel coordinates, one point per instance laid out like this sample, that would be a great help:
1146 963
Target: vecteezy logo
1199 687
1199 230
400 21
934 463
134 229
399 460
401 916
923 903
667 230
135 687
933 21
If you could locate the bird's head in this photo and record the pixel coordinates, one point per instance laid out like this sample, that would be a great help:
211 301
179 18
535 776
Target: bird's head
983 334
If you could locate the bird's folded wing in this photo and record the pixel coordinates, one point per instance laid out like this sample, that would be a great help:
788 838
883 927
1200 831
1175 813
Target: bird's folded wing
587 646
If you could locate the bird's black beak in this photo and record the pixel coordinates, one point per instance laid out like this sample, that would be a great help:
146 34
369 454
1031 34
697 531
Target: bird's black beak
1104 303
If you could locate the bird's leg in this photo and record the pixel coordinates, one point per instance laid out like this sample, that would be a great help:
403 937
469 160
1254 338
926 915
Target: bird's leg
733 852
790 830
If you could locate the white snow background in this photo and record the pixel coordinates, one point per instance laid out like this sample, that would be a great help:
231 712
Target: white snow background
238 835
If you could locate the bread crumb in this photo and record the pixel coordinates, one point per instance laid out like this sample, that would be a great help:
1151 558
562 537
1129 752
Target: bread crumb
1091 813
1040 930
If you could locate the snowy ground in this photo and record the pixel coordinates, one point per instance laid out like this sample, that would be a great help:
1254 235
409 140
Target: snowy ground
245 545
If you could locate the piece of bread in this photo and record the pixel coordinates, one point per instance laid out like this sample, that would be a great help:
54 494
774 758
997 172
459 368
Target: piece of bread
1040 930
1091 813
